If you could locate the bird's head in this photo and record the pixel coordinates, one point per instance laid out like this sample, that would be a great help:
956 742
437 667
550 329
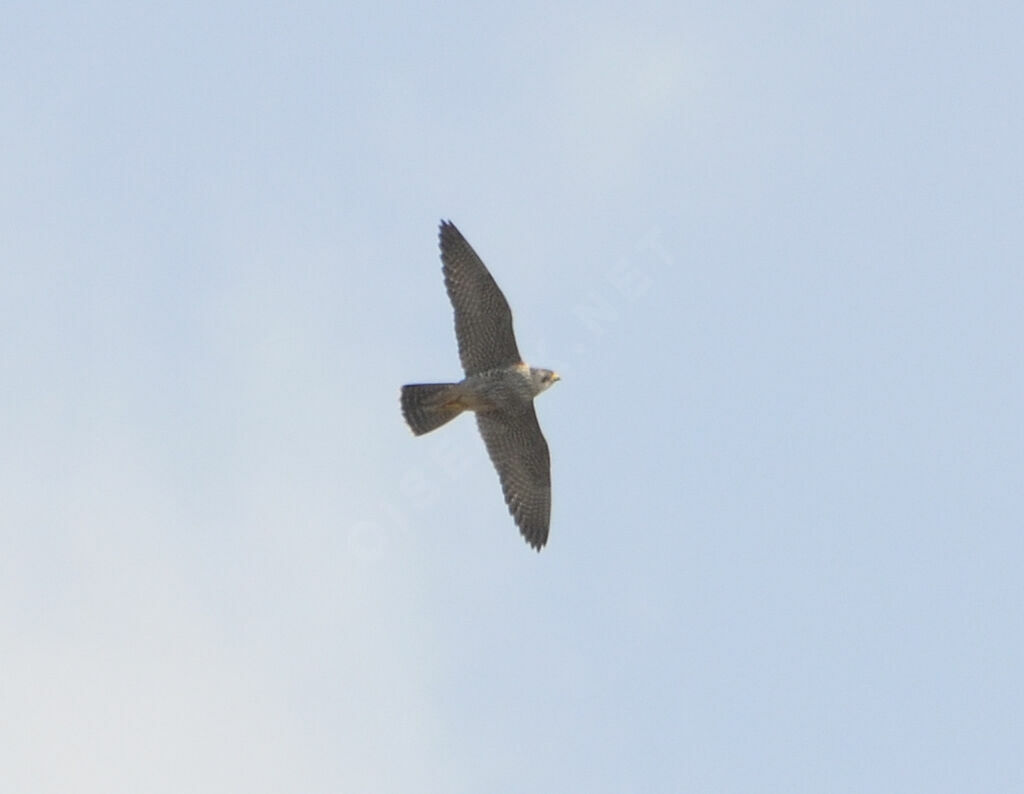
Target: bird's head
543 378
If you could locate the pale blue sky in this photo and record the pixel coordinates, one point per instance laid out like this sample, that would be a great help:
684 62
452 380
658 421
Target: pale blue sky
776 252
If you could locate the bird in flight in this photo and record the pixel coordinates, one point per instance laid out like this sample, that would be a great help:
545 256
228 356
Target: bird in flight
499 387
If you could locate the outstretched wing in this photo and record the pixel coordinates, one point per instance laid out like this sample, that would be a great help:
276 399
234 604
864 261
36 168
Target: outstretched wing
520 454
483 320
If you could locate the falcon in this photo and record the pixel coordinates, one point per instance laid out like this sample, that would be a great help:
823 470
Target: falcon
499 388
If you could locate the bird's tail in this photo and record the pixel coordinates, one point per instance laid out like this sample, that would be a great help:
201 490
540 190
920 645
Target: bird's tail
427 406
